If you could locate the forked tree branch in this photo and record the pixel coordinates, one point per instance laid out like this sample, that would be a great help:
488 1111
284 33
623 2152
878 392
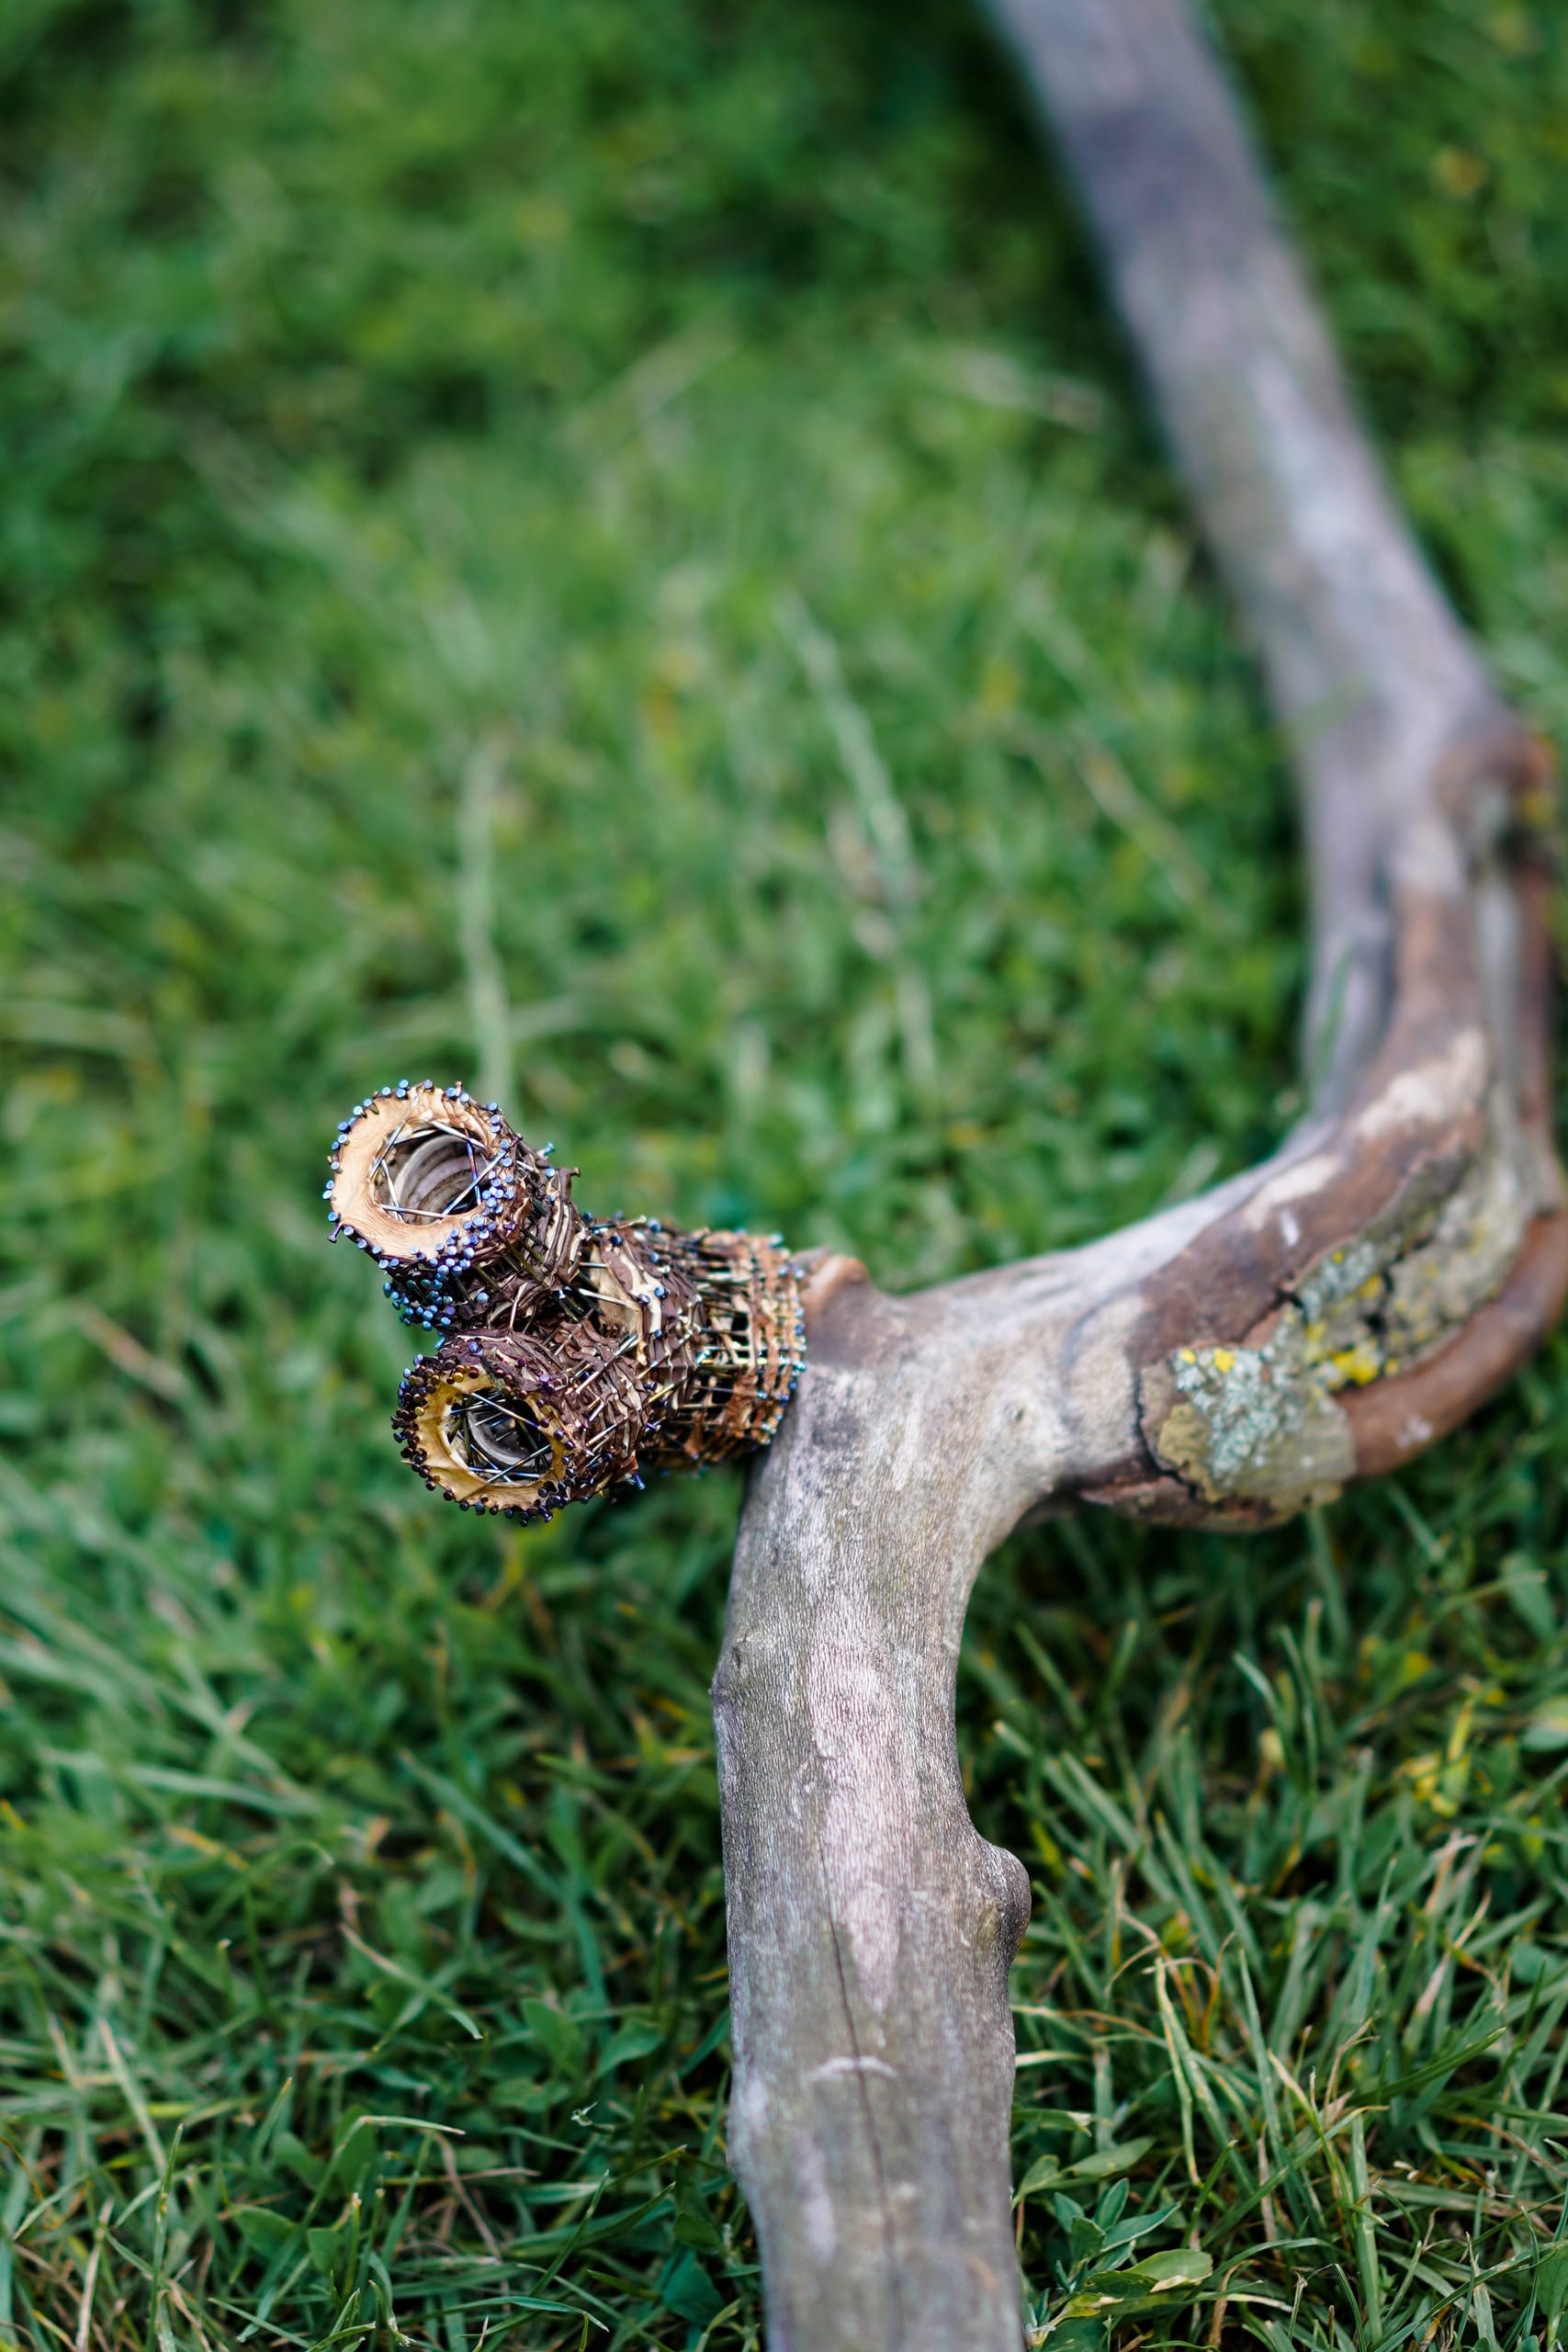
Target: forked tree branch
1224 1363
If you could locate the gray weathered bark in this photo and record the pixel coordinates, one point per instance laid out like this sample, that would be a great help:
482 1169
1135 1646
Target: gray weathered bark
1319 1318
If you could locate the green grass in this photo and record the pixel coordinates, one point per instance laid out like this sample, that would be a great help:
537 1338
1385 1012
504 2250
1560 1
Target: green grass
473 468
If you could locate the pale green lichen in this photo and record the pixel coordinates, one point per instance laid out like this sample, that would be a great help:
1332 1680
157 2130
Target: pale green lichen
1259 1425
1254 1425
1435 1286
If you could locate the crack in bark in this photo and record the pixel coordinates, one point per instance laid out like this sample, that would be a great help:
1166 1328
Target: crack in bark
889 2235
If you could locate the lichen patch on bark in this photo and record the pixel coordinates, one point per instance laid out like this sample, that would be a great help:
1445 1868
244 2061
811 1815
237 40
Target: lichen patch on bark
1259 1424
1250 1424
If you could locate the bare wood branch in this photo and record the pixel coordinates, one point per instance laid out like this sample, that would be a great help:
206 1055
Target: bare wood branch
1319 1318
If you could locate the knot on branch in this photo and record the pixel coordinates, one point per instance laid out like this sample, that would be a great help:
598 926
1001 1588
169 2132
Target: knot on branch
574 1351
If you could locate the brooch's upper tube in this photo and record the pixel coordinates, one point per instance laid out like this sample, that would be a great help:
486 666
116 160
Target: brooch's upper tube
573 1353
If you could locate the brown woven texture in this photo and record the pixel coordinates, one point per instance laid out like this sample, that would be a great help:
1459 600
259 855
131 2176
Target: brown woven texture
573 1353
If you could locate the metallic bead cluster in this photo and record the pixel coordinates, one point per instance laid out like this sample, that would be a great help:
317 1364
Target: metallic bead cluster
574 1354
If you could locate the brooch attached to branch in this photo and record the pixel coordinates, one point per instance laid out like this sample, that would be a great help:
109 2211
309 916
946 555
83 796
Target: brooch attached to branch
573 1353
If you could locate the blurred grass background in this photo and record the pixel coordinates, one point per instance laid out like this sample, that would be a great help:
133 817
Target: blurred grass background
614 551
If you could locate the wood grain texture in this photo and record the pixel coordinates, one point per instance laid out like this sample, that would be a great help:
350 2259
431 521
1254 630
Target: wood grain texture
1224 1363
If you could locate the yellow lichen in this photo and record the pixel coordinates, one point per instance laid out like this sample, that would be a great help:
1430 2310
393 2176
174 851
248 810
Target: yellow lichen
1259 1425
